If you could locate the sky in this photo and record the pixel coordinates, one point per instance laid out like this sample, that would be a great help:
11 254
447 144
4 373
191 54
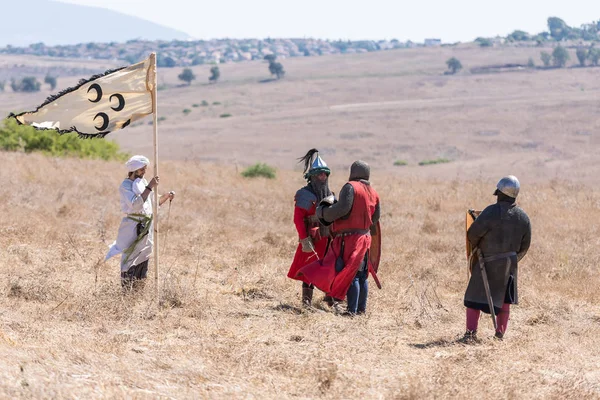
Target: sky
451 21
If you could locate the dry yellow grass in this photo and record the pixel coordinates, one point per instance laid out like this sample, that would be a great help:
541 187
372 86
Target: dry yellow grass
232 328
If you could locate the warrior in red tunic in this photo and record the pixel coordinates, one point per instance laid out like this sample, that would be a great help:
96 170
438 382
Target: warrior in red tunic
344 270
313 235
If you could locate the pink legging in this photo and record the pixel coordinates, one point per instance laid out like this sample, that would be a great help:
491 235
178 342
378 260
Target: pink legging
501 318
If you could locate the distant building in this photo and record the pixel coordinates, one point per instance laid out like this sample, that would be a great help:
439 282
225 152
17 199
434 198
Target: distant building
433 42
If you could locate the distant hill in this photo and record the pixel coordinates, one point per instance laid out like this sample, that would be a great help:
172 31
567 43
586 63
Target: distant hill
54 23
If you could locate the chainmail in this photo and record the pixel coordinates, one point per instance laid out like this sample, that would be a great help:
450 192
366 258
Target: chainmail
359 170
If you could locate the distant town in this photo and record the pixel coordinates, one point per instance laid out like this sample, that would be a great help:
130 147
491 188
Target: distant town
179 53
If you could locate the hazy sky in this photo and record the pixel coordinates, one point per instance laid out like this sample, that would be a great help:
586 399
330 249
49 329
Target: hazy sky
450 20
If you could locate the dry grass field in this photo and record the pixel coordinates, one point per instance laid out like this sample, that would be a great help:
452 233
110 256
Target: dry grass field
231 325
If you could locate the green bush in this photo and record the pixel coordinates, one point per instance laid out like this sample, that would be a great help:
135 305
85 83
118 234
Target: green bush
15 137
226 115
436 161
216 103
186 111
195 105
259 170
400 163
204 103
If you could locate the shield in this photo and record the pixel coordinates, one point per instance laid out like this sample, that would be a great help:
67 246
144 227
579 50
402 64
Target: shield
375 249
470 217
375 253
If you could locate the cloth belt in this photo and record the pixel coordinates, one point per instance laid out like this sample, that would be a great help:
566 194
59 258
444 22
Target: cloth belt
499 256
353 232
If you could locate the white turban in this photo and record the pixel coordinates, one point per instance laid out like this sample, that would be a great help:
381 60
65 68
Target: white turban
136 162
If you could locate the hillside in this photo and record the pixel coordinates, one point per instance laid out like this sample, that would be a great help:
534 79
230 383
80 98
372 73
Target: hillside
53 22
384 107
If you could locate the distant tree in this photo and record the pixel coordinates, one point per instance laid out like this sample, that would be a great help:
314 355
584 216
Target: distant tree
454 65
215 74
558 28
198 60
519 36
594 56
483 42
530 63
582 55
167 62
50 80
2 83
27 84
275 68
560 56
270 57
546 58
187 76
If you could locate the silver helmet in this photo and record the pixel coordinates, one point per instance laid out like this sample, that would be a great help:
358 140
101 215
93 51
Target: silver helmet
509 185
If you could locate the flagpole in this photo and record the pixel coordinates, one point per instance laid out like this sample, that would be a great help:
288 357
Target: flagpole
155 204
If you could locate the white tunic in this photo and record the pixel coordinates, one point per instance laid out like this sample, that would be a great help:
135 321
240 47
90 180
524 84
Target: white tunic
132 203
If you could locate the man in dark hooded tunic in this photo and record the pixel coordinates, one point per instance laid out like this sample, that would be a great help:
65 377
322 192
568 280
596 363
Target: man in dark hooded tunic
503 233
344 270
313 236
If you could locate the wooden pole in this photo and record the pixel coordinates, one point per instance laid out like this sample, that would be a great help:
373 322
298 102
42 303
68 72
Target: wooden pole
155 193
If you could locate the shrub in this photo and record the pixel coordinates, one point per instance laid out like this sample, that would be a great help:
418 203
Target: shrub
546 58
195 105
594 56
400 163
186 111
226 115
15 137
560 56
204 103
50 80
582 55
216 103
27 84
436 161
259 170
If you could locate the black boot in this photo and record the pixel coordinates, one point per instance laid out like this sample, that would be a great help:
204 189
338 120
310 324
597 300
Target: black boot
307 294
470 337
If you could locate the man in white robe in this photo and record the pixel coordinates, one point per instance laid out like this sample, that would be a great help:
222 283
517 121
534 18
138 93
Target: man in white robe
135 238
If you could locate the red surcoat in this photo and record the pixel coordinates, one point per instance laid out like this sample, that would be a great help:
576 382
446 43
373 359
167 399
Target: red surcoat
353 232
301 258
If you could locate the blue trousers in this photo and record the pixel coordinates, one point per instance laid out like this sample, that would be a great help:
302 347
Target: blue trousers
357 293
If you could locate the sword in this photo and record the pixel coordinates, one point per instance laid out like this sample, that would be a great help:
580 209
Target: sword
486 285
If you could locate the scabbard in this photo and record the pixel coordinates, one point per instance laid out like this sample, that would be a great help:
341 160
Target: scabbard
486 285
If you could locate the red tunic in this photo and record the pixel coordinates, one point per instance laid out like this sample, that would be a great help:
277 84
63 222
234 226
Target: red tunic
322 273
301 258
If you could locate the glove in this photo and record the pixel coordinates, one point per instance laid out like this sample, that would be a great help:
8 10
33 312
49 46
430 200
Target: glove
307 245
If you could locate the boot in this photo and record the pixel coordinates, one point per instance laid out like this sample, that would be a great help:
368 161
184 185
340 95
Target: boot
307 294
328 300
470 337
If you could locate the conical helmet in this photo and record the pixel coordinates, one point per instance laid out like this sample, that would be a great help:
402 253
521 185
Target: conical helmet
314 164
